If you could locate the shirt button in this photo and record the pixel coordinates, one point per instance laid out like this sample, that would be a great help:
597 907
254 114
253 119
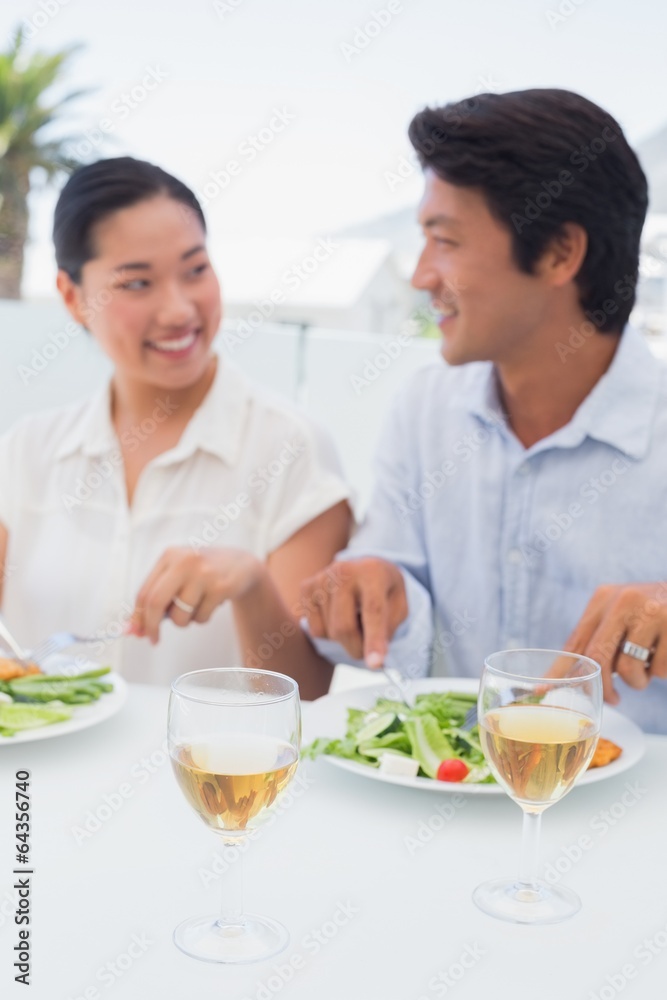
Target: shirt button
514 644
514 556
524 469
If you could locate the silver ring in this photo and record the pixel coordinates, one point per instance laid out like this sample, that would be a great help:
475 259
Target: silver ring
636 652
188 608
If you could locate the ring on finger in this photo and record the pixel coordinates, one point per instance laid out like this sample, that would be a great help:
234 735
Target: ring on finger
641 653
182 606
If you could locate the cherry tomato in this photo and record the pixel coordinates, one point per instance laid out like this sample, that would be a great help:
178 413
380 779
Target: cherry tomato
452 769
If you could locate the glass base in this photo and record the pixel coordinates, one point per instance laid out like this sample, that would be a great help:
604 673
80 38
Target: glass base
541 903
209 940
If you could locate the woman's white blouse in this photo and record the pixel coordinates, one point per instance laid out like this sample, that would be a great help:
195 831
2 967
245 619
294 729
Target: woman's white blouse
248 472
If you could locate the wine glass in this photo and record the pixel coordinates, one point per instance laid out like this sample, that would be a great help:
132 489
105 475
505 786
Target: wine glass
539 720
234 736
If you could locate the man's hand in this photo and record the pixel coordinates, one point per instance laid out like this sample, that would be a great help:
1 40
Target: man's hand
183 578
618 613
359 603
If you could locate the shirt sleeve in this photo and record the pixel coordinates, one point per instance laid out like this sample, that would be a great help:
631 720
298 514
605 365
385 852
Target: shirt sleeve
310 482
393 530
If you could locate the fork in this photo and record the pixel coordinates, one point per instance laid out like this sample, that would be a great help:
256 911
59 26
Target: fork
471 718
62 640
11 642
396 679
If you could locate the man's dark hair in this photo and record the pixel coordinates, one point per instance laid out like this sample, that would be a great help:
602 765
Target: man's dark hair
99 189
543 158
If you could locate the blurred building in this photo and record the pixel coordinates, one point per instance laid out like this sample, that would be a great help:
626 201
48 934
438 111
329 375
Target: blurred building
329 282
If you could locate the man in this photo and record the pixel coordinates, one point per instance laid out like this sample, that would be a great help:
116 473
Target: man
521 489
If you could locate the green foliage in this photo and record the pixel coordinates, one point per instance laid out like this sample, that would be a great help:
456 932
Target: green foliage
25 117
24 112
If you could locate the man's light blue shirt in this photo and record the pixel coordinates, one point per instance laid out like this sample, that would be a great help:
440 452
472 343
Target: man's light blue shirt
507 544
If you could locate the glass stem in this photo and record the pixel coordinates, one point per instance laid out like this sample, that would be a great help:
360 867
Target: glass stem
530 849
231 911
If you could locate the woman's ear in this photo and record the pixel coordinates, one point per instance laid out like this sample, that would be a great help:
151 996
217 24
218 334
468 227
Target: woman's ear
72 297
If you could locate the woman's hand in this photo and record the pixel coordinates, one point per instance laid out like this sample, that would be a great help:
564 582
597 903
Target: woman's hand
188 586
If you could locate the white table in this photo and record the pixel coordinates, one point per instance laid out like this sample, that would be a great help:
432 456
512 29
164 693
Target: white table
394 921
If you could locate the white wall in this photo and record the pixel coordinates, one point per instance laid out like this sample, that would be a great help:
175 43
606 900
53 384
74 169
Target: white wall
47 361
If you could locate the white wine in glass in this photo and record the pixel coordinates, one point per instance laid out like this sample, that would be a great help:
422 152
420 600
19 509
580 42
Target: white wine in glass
230 780
234 739
539 721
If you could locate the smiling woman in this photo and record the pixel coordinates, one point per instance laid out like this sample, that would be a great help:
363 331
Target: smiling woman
153 486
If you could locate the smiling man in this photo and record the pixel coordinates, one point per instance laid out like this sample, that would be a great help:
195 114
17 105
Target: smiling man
522 487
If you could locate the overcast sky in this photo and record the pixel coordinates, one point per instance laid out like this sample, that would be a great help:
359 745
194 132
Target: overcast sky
310 99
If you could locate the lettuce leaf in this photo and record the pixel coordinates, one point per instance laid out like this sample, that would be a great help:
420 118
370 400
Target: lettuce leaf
430 731
16 717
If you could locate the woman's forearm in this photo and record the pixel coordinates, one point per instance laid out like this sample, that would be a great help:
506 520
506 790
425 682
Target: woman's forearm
271 638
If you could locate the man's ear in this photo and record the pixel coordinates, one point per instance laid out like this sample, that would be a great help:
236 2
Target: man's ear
72 297
564 255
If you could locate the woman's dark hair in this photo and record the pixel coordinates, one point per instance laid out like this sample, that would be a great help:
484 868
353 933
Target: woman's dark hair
543 158
97 190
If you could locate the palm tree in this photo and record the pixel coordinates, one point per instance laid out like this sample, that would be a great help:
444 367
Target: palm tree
23 117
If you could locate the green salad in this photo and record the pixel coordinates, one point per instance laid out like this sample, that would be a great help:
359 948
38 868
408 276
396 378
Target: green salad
429 734
41 699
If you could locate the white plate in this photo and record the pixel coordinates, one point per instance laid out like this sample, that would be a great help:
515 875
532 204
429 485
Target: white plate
83 716
328 717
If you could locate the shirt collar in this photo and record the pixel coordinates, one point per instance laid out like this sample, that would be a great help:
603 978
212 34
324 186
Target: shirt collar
618 410
92 433
216 425
477 392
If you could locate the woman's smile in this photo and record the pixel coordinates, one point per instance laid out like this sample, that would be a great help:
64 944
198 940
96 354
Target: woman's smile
176 347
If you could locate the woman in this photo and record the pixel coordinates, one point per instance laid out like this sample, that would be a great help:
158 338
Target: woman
179 494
